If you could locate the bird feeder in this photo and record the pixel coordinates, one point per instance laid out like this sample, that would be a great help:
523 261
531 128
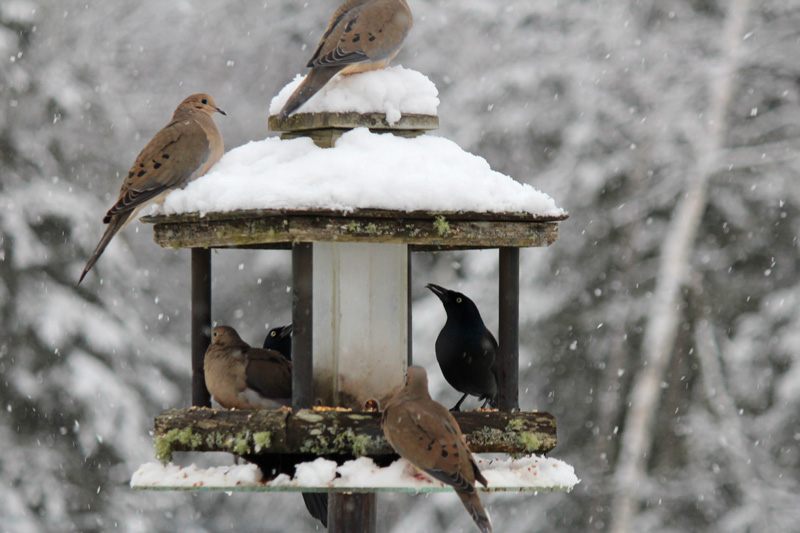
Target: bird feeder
352 321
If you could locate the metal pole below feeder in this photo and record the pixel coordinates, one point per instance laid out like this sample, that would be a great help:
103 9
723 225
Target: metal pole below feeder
353 513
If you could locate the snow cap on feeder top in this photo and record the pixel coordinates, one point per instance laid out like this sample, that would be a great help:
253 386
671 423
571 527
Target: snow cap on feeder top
393 91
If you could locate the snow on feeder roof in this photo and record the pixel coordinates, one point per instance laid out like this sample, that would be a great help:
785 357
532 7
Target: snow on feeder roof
363 170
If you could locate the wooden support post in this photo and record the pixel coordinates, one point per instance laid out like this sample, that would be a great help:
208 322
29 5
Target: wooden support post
352 513
302 318
408 303
508 358
201 323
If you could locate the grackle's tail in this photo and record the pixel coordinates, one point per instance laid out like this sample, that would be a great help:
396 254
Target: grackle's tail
317 505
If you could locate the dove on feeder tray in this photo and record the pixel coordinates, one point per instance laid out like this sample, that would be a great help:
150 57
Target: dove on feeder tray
425 433
465 349
182 151
239 376
362 35
280 340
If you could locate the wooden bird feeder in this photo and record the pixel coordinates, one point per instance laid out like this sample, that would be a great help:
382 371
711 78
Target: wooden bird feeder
352 322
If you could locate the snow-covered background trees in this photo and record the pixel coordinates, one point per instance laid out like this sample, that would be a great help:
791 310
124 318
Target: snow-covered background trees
616 109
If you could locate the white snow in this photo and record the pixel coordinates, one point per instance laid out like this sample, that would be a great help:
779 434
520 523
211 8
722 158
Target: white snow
156 474
319 472
393 91
364 170
529 473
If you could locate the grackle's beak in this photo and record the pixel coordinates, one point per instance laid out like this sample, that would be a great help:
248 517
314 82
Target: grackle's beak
439 291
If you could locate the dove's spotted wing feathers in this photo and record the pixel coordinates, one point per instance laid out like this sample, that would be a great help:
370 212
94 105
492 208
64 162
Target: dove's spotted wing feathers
361 35
181 151
426 434
175 156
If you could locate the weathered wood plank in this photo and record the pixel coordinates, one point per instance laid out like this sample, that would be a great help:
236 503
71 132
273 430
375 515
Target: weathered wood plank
356 214
268 231
348 434
327 137
373 121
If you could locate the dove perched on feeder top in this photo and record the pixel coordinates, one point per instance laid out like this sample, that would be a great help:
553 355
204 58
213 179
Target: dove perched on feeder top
425 433
180 152
362 35
241 377
465 349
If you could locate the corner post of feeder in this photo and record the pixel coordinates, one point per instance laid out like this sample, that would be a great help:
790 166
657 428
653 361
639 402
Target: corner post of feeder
201 323
508 358
302 320
409 301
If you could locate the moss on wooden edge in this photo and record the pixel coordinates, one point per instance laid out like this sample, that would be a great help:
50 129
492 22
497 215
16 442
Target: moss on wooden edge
166 444
344 442
186 440
441 225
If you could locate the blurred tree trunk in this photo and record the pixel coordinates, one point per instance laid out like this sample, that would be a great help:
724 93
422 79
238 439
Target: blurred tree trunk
664 317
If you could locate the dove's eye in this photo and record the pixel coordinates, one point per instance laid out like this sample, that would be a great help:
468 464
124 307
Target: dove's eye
204 101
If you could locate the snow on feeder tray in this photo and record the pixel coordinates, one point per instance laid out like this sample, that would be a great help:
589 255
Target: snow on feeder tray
352 204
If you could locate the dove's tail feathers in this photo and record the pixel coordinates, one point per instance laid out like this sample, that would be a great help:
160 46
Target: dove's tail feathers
316 80
117 223
476 510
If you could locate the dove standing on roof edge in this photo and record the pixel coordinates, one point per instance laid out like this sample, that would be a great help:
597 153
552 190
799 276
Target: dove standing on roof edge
180 152
465 348
425 433
362 35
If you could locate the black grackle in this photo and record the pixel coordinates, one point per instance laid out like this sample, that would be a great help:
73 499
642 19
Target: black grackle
465 349
280 340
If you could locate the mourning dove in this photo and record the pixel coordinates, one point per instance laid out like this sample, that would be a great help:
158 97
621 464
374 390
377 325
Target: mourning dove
426 434
280 340
465 349
241 377
182 151
362 35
